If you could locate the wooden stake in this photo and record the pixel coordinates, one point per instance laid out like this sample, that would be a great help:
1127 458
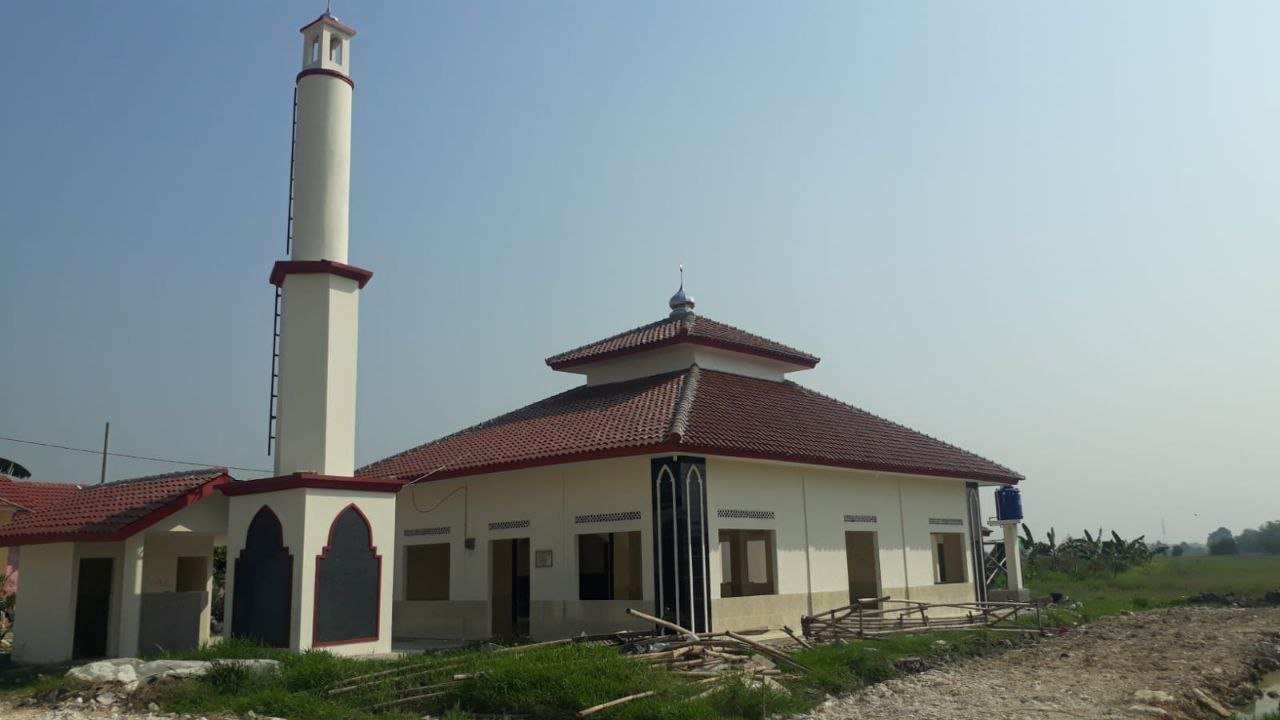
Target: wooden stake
612 703
803 643
663 623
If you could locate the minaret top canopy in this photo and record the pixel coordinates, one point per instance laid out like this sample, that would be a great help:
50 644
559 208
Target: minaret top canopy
331 21
326 45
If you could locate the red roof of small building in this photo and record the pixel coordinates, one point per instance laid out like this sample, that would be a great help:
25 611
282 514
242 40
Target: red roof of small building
691 328
27 495
112 511
692 411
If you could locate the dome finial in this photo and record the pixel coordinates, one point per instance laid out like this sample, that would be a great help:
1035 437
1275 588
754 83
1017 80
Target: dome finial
681 304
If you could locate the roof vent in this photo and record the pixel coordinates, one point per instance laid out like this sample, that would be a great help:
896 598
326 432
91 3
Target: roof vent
681 304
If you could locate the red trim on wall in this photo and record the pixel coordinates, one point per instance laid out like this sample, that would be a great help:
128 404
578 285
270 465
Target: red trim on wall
313 267
326 71
316 587
680 339
312 480
677 447
142 523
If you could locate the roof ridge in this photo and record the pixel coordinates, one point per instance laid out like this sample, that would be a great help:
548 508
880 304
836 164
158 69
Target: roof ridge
898 425
175 475
684 404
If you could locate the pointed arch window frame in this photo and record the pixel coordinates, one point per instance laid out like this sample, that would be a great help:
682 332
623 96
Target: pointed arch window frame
315 601
267 509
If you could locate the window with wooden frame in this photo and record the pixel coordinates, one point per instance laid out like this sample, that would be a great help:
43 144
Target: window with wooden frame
948 558
748 563
609 566
426 572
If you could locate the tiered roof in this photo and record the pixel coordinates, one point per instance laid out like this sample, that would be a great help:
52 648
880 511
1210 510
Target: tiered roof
690 411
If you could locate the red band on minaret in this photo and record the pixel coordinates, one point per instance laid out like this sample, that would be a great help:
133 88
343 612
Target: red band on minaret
313 267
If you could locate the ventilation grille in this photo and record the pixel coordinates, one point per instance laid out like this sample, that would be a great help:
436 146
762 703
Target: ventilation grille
606 517
428 531
509 525
746 514
946 521
861 519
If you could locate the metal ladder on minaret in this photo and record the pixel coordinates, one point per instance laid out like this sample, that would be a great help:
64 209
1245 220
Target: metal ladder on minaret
275 323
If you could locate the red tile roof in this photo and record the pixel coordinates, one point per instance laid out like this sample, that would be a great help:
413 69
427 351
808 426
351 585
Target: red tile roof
26 495
585 421
694 410
691 328
112 511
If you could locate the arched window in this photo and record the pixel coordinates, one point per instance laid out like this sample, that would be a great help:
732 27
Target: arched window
262 603
335 49
348 582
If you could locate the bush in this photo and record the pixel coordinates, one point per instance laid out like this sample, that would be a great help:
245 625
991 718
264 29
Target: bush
1224 546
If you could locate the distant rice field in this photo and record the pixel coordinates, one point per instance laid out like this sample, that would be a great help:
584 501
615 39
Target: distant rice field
1166 581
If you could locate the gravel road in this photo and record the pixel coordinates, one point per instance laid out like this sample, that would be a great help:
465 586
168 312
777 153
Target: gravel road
1127 666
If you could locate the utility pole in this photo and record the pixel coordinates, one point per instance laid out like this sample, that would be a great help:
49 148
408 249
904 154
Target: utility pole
106 440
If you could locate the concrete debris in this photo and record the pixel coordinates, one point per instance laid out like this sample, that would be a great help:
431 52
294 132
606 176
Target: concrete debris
128 672
1149 711
1152 696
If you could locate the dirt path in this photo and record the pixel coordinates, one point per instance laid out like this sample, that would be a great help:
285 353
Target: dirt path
1091 672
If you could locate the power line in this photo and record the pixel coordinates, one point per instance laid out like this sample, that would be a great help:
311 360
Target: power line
131 457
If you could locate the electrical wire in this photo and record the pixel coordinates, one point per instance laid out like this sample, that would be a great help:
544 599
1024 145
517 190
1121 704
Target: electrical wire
132 457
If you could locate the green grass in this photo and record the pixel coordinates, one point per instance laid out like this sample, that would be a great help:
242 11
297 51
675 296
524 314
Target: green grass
556 682
1164 582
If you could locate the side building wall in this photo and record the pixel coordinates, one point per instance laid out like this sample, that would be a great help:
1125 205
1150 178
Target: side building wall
808 507
808 510
549 506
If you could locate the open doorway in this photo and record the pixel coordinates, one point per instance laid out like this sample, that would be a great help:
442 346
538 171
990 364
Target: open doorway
864 567
93 608
509 595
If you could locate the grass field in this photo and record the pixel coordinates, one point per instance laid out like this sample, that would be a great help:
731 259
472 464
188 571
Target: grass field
557 682
1165 581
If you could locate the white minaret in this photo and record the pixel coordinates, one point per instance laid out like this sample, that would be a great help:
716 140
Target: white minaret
320 292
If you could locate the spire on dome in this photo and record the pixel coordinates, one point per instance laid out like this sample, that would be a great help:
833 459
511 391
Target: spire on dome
681 304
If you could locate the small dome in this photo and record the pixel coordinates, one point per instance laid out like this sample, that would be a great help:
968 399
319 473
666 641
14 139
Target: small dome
680 303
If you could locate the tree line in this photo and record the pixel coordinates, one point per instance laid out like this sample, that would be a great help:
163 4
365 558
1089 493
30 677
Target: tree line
1262 539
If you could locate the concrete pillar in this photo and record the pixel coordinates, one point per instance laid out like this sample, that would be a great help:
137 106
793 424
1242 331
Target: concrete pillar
131 595
1013 557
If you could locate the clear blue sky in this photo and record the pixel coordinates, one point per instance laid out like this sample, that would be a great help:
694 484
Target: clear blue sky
1044 233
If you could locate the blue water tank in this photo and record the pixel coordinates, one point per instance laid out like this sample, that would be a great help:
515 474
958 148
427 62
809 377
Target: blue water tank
1008 504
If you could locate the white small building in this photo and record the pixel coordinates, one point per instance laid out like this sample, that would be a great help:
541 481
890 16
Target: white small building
688 475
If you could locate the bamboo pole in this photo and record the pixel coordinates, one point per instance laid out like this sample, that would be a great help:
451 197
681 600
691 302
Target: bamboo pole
663 623
613 703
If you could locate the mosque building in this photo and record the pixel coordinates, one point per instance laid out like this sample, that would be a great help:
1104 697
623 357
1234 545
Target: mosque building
688 476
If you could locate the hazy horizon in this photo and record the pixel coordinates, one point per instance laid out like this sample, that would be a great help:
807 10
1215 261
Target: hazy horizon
1045 234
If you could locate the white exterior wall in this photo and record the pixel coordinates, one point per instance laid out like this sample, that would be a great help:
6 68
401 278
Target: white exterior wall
550 499
316 410
819 498
322 166
46 604
811 576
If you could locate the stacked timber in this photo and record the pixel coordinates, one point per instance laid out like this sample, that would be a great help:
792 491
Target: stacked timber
874 617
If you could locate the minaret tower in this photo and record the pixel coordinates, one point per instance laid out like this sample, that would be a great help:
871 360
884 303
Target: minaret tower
305 548
320 291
